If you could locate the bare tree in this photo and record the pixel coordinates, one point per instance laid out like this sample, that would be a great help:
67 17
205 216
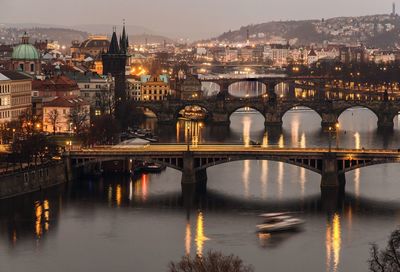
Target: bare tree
211 262
105 101
79 118
388 259
54 118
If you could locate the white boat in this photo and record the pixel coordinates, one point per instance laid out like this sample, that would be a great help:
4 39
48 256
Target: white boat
276 222
281 225
267 215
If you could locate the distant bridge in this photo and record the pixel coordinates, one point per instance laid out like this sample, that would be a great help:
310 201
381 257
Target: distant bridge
193 161
219 111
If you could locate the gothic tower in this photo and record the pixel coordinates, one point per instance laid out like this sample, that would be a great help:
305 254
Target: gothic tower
114 62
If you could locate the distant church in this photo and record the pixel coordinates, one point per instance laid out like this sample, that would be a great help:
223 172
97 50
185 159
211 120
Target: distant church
114 62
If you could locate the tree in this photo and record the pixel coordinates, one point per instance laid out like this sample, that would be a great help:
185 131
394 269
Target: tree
388 259
211 262
79 118
105 101
104 130
54 118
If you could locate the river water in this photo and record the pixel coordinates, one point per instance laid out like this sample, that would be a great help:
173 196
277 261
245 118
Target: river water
139 224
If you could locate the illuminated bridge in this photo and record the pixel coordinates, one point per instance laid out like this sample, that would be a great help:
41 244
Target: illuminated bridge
193 161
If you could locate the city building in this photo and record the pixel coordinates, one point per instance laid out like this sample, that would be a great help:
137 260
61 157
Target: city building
26 57
57 114
58 85
94 46
189 88
155 89
15 95
134 88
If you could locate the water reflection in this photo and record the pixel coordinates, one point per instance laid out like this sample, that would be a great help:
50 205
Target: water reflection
333 243
200 236
42 218
264 179
357 141
246 177
246 130
188 238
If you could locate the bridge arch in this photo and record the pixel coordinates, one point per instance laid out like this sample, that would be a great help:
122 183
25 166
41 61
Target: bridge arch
246 107
300 106
150 112
247 89
195 106
363 123
313 165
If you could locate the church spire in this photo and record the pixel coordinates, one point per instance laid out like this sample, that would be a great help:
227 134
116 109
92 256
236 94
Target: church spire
124 40
114 48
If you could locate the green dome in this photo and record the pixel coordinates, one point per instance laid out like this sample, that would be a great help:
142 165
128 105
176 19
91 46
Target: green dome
25 52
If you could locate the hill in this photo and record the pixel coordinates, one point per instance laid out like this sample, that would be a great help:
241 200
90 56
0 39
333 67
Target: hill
381 31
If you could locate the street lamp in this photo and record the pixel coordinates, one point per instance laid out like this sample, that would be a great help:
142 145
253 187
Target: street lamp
330 139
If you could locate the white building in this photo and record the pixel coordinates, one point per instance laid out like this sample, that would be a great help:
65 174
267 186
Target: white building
15 95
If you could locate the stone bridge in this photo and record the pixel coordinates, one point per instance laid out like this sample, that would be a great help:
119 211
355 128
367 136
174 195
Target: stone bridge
273 110
193 161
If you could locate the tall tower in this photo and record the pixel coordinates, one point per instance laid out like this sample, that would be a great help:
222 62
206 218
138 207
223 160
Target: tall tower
114 62
394 9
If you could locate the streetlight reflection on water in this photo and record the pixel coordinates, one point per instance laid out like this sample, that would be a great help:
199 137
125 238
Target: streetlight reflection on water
333 243
200 237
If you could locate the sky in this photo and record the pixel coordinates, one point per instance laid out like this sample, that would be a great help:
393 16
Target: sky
193 19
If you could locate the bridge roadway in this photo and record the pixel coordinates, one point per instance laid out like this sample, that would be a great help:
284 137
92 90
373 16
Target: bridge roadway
193 161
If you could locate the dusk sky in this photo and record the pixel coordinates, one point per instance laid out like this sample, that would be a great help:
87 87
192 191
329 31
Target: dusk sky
182 18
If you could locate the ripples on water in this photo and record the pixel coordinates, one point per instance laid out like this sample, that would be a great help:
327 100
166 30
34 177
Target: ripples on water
140 224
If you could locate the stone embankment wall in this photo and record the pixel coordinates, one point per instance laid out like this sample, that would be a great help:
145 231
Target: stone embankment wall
31 180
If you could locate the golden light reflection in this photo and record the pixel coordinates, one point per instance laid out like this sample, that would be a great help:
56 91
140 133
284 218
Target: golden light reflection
178 132
246 177
130 190
145 181
302 181
246 130
265 140
281 142
280 179
333 243
200 236
46 214
38 222
303 140
118 195
357 173
264 179
295 124
188 238
357 141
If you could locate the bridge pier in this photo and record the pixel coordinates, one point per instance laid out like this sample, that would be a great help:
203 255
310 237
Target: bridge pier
329 120
330 174
385 121
273 119
221 118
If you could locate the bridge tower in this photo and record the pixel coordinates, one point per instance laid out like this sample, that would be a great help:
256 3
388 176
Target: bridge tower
114 62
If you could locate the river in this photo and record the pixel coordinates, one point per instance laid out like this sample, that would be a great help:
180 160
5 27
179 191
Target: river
139 224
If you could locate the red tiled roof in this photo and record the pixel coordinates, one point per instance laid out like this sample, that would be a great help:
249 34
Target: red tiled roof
56 83
66 102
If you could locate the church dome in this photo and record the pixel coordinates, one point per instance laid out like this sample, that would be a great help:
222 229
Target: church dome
25 51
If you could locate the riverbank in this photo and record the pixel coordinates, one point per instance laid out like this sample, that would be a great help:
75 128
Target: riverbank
33 179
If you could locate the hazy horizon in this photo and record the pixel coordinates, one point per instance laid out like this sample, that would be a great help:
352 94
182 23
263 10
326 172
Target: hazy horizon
178 18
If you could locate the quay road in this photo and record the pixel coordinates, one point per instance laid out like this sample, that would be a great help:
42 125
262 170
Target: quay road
228 148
